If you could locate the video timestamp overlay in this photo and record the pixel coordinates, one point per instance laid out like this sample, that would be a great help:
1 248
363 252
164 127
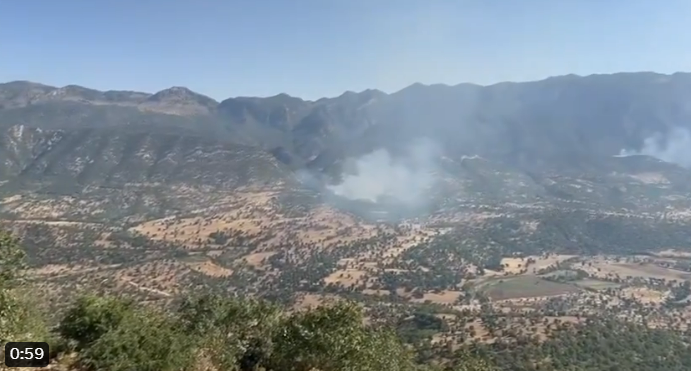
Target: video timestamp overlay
27 354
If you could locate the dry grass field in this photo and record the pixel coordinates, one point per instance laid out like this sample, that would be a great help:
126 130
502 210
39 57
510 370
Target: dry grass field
521 265
257 217
255 214
444 297
613 267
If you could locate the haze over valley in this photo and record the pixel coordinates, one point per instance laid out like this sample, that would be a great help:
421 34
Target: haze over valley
428 194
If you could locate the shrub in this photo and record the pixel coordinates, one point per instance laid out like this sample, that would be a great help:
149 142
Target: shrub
92 317
144 341
335 338
233 333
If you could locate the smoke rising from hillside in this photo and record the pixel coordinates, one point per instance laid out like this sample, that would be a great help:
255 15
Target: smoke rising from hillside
378 175
674 147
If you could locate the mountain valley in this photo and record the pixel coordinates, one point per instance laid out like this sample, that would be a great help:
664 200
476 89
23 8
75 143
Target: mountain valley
527 208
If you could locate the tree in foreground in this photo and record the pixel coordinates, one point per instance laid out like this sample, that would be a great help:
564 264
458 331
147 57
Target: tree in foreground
213 332
145 340
19 318
335 338
91 317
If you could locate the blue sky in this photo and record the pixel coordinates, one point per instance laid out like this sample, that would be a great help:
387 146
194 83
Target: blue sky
315 48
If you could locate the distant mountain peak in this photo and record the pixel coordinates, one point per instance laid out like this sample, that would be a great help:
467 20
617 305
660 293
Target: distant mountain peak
179 93
179 100
415 86
282 96
373 92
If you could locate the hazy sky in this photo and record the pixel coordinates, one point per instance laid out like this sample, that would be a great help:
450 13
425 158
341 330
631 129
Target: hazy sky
315 48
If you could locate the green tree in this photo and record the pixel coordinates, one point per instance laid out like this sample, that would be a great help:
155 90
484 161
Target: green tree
92 317
19 317
233 333
335 338
145 340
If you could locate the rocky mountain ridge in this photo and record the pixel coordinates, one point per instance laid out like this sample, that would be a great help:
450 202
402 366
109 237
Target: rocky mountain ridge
553 141
567 116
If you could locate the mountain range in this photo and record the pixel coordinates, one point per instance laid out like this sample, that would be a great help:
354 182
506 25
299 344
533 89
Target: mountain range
562 139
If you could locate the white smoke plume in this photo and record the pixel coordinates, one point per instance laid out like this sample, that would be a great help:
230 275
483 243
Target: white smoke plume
405 178
674 147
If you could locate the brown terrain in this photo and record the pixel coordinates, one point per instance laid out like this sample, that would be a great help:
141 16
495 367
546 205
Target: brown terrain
231 246
157 195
